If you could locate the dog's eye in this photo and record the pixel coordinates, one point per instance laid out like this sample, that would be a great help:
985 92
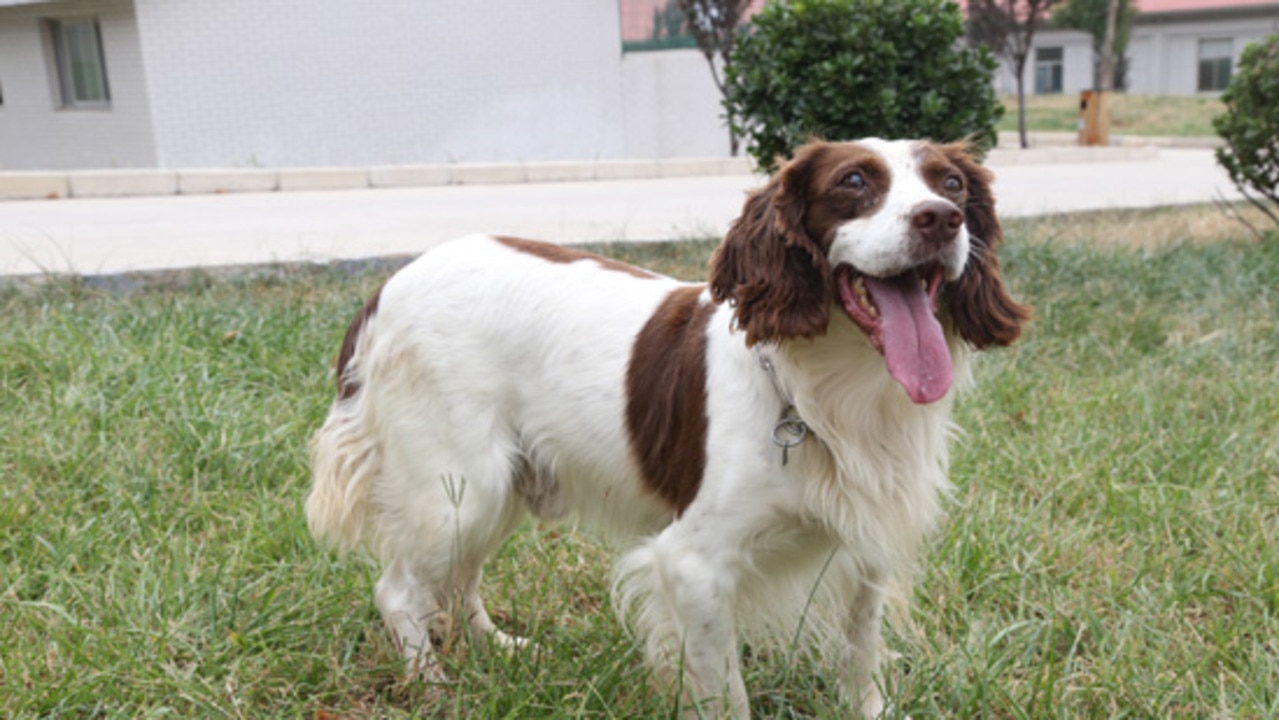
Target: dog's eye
952 184
854 180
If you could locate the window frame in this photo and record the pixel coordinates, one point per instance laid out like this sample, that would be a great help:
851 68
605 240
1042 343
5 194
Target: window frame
64 64
1054 67
1216 69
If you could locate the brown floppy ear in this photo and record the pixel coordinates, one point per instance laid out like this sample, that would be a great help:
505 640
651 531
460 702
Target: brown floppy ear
768 268
980 306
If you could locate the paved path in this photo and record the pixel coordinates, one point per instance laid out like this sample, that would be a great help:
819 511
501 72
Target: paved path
103 236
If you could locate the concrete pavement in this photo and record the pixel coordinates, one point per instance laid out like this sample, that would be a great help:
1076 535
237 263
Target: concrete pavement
117 235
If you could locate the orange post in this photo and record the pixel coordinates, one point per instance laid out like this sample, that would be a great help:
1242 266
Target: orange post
1094 118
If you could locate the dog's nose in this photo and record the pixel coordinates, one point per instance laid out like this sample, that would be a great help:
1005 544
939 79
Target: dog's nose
936 221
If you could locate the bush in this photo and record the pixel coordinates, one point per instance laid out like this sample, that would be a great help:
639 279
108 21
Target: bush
844 69
1250 125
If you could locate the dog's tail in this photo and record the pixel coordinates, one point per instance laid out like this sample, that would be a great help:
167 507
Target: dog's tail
346 457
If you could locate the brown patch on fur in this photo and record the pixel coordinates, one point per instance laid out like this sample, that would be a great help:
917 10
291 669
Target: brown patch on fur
980 306
935 165
770 268
666 397
831 203
346 386
560 254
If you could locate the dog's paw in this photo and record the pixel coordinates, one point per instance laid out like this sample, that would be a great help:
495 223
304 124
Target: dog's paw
425 667
510 643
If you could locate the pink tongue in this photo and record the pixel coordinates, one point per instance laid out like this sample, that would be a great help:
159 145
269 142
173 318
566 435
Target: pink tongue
914 347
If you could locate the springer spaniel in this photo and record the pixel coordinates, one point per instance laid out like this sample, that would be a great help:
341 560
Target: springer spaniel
769 449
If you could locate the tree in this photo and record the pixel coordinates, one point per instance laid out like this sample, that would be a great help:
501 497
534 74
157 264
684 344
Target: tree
1250 126
1090 16
843 69
1008 28
715 24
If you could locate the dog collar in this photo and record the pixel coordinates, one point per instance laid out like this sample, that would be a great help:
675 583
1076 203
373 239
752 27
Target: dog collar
790 430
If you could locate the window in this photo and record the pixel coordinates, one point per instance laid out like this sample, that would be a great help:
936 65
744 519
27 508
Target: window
661 25
82 72
1048 70
1215 59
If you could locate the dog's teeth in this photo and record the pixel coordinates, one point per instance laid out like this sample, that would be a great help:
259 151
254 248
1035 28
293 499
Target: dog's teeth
863 297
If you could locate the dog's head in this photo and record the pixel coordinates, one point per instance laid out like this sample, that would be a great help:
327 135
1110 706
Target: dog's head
901 235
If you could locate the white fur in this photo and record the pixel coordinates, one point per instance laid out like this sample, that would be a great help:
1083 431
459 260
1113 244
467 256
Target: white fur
492 385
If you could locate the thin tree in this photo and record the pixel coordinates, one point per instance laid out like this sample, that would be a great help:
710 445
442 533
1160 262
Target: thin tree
1108 48
714 25
1008 28
1093 16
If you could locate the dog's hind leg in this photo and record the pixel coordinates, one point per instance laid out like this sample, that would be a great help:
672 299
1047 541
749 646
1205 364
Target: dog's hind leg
446 503
480 622
410 611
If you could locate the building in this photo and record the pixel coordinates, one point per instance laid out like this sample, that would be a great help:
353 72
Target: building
1176 47
243 83
295 83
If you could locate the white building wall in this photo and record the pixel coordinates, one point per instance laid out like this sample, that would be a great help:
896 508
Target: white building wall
1076 63
1144 72
1165 56
36 133
672 106
335 82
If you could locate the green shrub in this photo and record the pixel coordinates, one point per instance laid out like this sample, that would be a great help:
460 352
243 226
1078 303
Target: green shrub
844 69
1250 125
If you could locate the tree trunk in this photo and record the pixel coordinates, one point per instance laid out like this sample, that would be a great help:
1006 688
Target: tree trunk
734 142
1107 72
1021 103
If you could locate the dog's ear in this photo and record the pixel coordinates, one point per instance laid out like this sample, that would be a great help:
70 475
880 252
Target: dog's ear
776 277
980 306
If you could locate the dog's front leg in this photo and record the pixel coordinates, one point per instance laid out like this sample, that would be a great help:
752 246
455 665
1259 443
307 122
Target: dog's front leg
861 667
687 612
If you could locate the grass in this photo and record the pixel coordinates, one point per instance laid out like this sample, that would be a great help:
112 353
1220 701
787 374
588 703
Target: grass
1167 115
1111 550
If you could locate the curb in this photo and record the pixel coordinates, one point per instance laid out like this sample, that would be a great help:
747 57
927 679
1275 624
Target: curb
182 278
53 185
1040 139
1048 148
1003 157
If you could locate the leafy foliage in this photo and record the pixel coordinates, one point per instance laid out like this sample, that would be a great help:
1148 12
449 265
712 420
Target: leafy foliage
843 69
1250 125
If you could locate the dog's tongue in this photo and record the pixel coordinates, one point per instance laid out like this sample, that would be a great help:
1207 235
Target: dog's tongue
914 347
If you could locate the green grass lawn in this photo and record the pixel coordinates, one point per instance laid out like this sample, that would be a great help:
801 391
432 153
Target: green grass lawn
1111 549
1171 115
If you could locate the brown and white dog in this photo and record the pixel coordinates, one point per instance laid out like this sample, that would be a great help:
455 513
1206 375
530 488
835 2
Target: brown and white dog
768 449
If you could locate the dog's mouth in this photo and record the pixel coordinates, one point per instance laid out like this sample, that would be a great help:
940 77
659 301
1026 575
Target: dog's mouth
899 316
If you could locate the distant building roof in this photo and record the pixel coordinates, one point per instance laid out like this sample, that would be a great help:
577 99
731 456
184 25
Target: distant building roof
1162 6
1170 6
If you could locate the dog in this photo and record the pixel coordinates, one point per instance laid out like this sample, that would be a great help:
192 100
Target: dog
768 450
